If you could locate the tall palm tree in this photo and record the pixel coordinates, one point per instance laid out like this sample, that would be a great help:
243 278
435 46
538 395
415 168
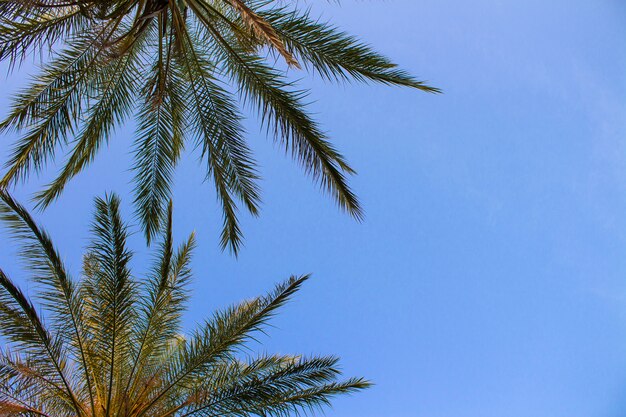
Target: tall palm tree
108 345
183 68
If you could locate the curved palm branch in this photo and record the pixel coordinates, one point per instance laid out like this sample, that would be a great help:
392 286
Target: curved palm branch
183 68
109 345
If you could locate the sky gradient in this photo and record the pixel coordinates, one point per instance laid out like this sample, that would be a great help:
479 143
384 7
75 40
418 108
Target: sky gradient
489 276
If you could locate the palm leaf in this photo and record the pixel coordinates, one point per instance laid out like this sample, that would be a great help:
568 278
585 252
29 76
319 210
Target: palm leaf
111 296
282 111
159 138
215 122
50 107
135 359
113 104
203 59
22 324
217 340
334 54
60 295
165 295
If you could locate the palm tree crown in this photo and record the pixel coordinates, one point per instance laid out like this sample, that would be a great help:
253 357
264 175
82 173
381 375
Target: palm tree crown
182 68
111 346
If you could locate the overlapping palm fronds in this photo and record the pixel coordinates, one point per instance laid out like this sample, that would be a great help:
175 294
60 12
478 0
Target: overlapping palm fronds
109 345
183 68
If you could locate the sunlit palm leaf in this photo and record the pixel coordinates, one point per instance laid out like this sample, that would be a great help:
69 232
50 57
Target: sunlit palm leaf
133 358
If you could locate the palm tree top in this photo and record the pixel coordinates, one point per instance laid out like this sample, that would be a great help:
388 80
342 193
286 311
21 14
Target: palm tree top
183 69
109 345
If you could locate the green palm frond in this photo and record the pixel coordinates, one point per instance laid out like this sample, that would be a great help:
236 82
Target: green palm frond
284 114
218 132
111 104
184 69
111 296
159 136
275 386
24 30
23 327
161 312
59 292
334 54
126 355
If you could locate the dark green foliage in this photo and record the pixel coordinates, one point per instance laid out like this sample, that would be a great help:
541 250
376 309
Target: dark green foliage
182 68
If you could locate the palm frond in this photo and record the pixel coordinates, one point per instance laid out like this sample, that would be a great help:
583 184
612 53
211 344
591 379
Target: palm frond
50 107
113 103
220 337
334 54
284 114
165 296
60 294
263 29
32 376
22 325
111 297
159 140
204 59
216 125
20 33
136 360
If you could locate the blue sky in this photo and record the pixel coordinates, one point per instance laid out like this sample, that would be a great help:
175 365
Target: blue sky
489 276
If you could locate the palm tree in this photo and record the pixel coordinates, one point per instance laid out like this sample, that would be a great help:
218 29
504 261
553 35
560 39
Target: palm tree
184 69
109 345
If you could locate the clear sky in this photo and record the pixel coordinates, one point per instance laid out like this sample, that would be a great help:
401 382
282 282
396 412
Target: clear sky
489 276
